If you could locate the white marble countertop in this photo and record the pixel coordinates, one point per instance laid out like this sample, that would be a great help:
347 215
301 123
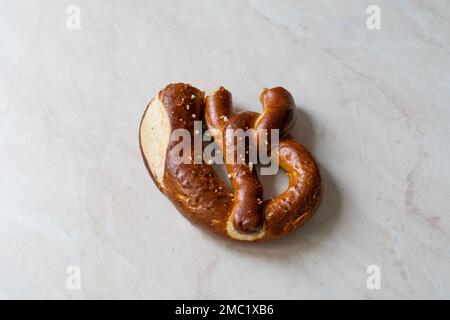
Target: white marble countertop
374 109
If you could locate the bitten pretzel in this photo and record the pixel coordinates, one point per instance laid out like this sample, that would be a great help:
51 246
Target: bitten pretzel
197 191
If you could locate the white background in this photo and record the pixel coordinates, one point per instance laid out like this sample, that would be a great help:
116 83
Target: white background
373 108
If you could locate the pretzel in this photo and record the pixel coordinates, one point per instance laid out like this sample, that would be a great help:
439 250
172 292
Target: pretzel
199 193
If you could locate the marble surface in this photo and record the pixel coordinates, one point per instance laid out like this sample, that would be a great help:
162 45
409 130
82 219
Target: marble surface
374 108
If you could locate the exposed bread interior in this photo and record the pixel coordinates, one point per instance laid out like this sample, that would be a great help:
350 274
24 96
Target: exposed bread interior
155 135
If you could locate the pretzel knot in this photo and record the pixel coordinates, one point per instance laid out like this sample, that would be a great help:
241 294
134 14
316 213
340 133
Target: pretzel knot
200 194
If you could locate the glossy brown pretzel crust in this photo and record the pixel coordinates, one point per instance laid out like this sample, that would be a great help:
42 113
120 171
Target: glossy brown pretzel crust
201 196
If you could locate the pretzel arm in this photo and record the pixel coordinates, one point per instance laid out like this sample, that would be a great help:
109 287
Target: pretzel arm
248 191
246 216
218 110
278 111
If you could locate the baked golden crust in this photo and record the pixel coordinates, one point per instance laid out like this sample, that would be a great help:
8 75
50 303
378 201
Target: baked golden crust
202 197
